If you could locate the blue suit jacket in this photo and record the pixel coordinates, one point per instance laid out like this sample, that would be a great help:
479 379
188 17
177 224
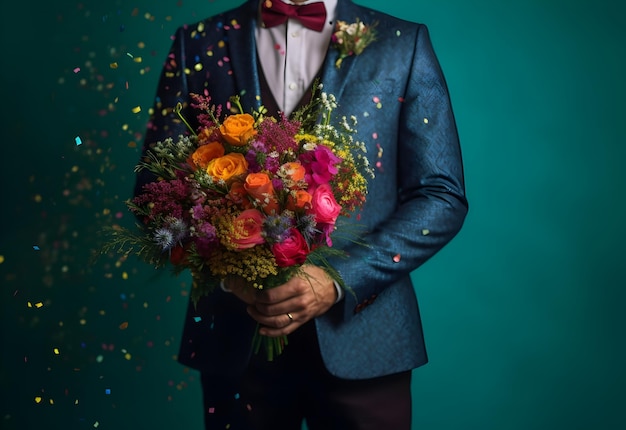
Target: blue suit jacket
416 203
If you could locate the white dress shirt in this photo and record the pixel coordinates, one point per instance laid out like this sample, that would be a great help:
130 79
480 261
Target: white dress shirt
291 55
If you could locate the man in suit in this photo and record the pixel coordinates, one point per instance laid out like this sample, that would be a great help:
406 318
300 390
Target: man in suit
350 354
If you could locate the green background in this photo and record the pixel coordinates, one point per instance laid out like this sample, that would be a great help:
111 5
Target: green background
523 311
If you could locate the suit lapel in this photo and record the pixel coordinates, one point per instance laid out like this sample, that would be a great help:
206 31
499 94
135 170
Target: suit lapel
243 56
334 79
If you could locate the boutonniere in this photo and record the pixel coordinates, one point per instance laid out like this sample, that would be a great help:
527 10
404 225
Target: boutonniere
352 39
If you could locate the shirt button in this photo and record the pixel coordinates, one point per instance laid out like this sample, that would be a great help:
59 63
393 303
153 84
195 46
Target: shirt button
295 34
293 86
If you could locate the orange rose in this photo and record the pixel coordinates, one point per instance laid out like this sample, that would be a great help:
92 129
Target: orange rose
226 167
238 129
293 171
301 200
205 153
238 194
260 187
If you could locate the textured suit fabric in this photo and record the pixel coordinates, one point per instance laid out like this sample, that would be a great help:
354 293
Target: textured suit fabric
416 203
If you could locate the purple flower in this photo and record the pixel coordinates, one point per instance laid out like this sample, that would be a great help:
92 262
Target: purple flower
165 198
276 228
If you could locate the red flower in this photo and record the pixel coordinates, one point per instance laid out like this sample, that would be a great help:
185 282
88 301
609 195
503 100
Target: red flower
293 250
177 255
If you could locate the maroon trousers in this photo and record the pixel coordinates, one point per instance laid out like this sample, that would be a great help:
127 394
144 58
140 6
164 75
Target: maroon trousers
296 387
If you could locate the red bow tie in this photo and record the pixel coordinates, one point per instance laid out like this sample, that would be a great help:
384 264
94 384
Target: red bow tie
275 12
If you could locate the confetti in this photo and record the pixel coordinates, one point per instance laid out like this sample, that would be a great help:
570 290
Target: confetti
197 319
107 391
136 109
425 232
396 258
76 69
56 351
78 141
35 247
124 325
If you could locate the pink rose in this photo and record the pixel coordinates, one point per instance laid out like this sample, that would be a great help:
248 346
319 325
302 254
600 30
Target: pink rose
291 251
324 206
247 229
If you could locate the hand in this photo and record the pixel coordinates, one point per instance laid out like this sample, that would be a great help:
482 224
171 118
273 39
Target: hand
240 288
305 296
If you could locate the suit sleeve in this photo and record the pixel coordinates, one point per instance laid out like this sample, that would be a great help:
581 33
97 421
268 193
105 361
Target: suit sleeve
431 202
171 89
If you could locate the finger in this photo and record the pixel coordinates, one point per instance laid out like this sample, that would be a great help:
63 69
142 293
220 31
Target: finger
278 325
289 328
272 321
277 332
277 294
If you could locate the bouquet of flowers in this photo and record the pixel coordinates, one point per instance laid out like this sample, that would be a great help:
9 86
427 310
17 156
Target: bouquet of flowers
352 39
248 195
